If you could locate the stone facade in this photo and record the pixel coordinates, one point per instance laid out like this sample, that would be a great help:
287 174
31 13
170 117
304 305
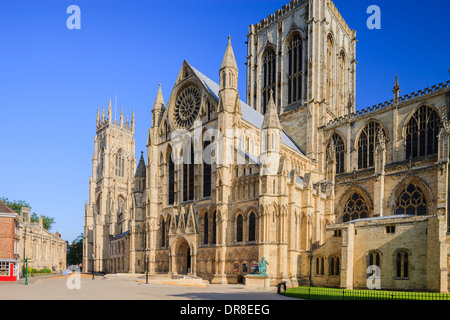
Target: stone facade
324 192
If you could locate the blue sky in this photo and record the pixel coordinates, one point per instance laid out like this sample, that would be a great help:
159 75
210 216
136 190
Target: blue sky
52 79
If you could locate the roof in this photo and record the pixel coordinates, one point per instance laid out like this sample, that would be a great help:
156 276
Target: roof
248 113
140 171
5 209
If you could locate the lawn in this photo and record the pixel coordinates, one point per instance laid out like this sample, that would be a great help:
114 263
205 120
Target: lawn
314 293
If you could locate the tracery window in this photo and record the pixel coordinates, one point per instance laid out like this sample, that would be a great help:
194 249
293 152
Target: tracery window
355 208
339 153
295 53
119 164
422 133
367 143
411 201
269 78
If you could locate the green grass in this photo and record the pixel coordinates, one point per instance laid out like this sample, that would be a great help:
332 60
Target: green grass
315 293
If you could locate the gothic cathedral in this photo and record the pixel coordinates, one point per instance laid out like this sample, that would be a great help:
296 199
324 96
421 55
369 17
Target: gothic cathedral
295 174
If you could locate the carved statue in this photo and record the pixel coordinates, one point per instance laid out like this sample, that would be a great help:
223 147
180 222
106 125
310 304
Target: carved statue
262 266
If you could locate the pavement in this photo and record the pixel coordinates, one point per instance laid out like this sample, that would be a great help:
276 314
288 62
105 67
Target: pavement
125 287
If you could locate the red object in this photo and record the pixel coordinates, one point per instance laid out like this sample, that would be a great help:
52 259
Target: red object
12 275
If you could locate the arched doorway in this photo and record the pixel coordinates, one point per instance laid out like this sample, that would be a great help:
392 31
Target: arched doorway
183 257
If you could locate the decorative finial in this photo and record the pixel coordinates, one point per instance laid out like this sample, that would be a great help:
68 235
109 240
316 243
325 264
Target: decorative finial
229 39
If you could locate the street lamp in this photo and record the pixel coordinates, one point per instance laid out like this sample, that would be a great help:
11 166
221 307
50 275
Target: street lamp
310 269
93 265
147 252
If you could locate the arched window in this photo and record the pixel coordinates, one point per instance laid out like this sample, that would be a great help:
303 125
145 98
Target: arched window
341 80
374 259
355 208
119 168
320 266
163 233
206 171
367 143
330 68
339 152
422 133
411 201
252 227
171 178
334 266
239 228
214 228
188 174
295 53
269 77
205 229
402 266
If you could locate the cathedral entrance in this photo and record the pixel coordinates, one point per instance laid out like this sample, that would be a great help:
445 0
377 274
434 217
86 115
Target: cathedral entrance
183 257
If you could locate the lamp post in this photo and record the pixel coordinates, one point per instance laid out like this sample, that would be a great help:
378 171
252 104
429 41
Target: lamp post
147 252
93 265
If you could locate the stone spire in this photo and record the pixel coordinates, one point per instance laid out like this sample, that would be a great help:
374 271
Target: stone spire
229 61
271 120
158 108
133 121
121 117
141 170
98 116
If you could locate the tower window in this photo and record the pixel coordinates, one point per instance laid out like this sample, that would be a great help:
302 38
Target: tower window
269 78
295 54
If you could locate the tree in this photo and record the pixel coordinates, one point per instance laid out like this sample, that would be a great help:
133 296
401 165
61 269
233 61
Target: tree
75 254
47 222
15 205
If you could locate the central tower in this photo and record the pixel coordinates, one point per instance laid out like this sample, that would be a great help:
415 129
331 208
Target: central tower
306 54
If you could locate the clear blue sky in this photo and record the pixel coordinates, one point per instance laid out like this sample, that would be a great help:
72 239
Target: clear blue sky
52 79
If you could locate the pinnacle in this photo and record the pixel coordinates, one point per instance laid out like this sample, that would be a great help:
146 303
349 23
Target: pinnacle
229 61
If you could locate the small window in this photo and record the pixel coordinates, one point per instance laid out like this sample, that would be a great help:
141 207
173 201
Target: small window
390 229
337 233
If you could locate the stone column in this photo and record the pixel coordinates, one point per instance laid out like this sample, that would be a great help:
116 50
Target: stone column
348 235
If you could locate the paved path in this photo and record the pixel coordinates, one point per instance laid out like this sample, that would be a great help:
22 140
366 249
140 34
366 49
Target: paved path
125 288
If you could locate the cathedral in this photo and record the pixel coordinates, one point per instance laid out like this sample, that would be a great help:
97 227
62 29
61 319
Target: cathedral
328 195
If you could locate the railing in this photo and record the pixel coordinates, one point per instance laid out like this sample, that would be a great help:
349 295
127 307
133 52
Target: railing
315 293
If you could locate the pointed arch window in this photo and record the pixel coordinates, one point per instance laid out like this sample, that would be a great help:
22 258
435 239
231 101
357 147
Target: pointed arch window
171 180
239 228
269 77
334 266
206 170
411 201
163 233
341 80
214 228
422 133
330 67
188 174
252 227
295 72
374 259
205 229
320 266
367 143
119 168
402 264
339 152
355 208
